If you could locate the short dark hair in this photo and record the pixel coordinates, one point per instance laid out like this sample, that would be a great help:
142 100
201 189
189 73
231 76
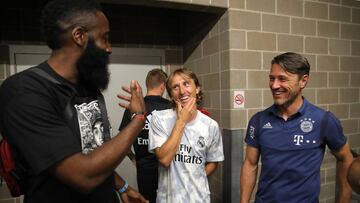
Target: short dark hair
293 63
187 73
155 78
60 16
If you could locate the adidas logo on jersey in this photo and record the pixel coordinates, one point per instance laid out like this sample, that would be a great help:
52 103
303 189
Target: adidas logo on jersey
267 125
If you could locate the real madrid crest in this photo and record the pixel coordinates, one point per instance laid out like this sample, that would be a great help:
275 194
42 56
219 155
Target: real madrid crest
306 125
201 142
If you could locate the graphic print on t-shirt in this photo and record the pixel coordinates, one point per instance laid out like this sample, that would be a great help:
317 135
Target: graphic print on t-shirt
91 126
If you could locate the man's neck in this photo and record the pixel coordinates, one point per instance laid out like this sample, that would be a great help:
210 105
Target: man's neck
287 111
194 113
154 92
64 65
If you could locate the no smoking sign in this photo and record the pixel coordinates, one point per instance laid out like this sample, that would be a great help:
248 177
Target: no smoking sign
239 99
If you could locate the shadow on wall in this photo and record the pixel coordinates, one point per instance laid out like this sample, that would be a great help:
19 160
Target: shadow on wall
153 24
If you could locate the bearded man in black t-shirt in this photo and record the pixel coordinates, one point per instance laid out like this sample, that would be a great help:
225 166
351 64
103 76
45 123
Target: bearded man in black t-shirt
54 117
146 163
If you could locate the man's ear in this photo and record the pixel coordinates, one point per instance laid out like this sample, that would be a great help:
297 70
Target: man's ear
197 89
304 80
79 35
162 88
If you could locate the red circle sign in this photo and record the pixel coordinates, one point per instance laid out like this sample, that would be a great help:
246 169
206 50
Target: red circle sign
239 99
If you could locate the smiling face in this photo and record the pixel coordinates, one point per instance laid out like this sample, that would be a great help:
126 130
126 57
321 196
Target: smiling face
286 87
183 88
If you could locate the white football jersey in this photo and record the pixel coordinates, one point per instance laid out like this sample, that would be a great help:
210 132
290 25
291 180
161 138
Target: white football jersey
185 180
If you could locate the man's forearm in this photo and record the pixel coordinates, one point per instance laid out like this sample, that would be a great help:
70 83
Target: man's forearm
247 182
344 187
119 181
110 154
167 151
85 172
210 167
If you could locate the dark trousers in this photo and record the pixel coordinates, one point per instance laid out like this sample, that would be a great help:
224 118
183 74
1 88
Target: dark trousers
147 180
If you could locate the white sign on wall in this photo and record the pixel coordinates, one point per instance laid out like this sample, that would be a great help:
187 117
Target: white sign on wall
239 99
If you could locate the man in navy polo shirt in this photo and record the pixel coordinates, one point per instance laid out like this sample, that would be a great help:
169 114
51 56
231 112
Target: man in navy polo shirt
290 136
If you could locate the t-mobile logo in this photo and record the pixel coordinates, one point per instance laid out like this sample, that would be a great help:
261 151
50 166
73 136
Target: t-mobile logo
298 139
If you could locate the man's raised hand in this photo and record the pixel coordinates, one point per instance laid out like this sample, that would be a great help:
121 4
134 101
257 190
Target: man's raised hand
134 97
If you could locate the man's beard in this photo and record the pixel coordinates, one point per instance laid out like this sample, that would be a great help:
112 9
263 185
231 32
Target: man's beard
92 67
289 100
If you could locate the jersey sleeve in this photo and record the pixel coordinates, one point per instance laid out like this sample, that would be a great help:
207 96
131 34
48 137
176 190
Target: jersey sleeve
157 133
334 136
252 132
125 120
216 151
38 131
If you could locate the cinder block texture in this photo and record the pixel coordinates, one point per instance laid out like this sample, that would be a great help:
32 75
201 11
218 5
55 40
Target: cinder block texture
290 43
291 8
355 15
211 46
355 79
275 23
327 63
261 41
350 31
328 29
258 79
316 10
338 13
244 20
327 96
235 79
301 26
341 111
261 5
339 79
316 45
339 47
318 80
349 95
349 63
238 39
245 60
355 48
237 3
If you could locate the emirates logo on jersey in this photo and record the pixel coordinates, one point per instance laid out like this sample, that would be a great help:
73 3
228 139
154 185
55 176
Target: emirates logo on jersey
186 155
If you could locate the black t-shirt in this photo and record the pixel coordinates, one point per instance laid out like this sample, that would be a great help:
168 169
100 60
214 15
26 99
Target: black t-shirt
32 118
143 158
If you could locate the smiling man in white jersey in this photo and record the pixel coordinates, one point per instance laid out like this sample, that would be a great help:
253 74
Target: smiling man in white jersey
186 142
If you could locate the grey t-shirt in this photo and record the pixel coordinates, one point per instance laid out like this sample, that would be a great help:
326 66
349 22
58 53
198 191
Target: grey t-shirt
185 180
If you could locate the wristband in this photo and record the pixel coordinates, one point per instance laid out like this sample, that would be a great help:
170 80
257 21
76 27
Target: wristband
124 188
140 115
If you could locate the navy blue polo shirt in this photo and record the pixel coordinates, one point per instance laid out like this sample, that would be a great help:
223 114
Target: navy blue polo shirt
292 151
